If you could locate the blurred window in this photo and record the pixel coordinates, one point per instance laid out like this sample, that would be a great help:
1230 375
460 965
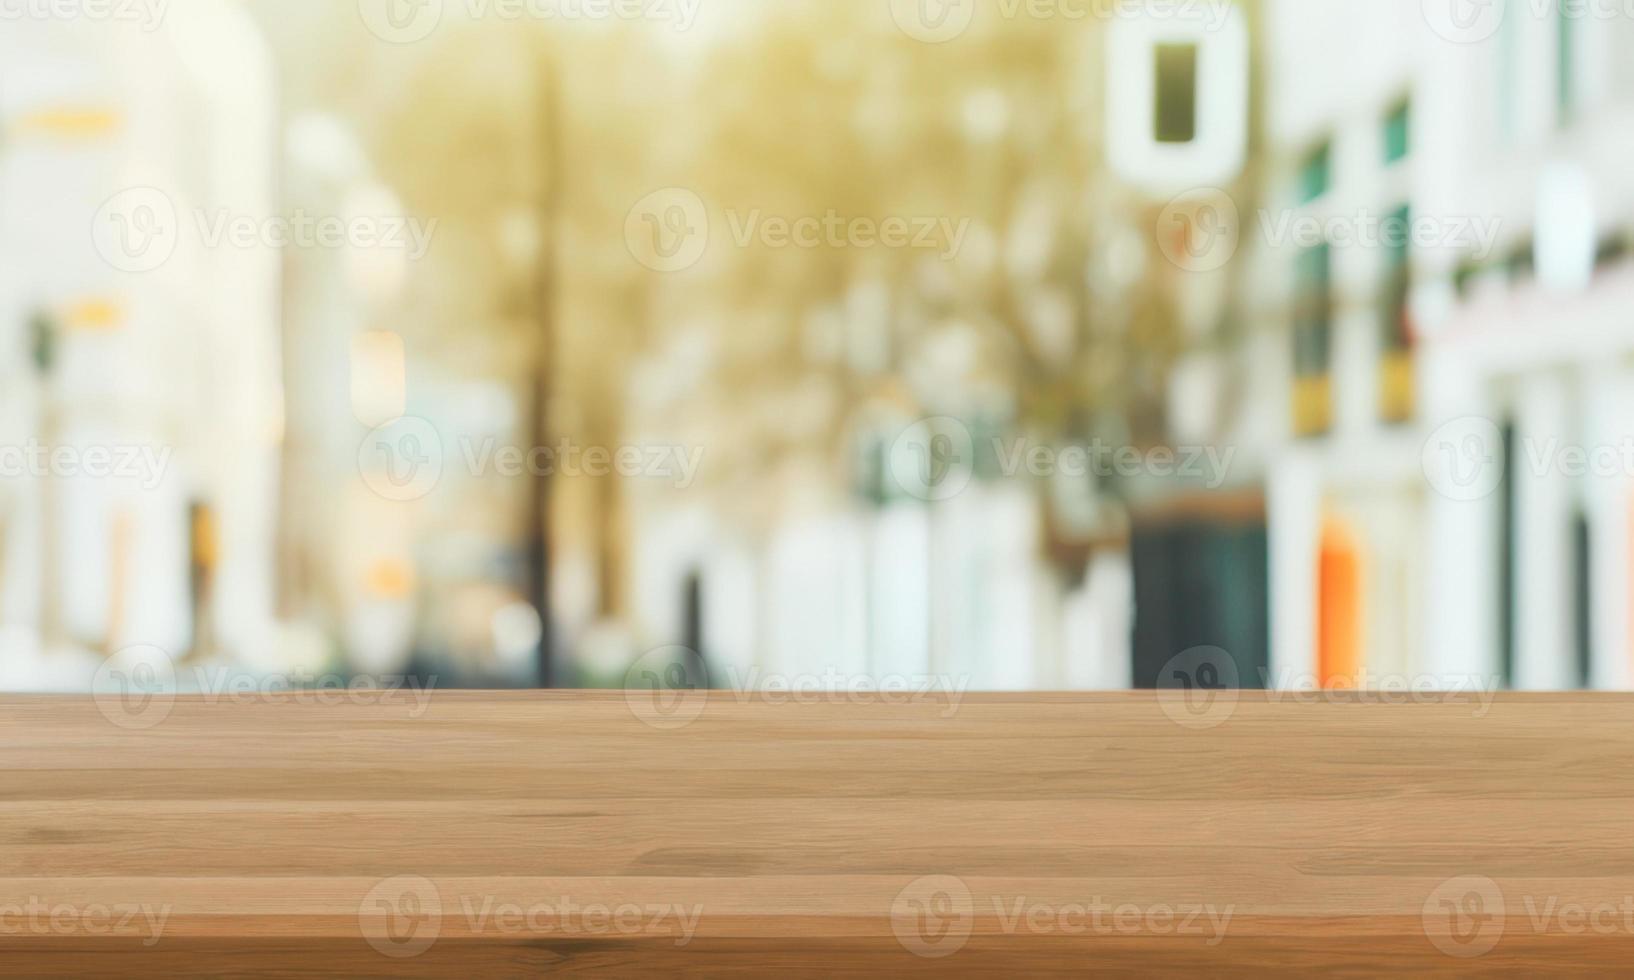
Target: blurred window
1176 107
1395 364
1313 341
1315 174
1396 138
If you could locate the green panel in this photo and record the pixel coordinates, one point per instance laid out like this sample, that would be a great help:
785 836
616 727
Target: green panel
1313 312
1397 126
1315 174
1397 284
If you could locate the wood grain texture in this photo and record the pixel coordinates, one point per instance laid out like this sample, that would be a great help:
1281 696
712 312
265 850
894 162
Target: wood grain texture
520 834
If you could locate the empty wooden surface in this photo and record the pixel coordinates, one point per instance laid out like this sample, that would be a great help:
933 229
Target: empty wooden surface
520 834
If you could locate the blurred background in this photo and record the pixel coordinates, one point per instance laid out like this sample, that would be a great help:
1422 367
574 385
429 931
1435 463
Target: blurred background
1033 343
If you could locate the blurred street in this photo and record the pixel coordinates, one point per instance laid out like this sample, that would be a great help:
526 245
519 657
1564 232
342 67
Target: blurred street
817 345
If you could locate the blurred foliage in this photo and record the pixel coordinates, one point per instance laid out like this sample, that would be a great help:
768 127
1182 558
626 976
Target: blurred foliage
1054 317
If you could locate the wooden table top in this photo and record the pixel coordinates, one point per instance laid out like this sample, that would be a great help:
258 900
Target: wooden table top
386 833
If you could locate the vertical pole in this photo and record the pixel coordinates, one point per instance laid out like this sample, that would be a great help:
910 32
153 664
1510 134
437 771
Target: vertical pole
538 522
47 334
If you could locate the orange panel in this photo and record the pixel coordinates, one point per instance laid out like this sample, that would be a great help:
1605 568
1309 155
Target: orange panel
1339 607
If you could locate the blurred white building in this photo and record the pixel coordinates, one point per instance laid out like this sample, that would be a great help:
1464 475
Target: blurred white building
1402 540
143 362
1538 340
